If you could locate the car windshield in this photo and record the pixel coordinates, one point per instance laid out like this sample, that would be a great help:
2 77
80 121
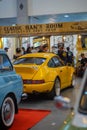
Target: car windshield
30 60
83 100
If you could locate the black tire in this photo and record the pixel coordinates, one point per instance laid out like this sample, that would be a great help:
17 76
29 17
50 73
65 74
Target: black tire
56 89
7 113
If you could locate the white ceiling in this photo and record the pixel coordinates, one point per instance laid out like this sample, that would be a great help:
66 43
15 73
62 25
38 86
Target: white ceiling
42 12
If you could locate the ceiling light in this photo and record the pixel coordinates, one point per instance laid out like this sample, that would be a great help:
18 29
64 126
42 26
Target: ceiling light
43 37
66 16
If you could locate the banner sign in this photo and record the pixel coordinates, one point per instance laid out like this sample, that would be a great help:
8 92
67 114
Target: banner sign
47 29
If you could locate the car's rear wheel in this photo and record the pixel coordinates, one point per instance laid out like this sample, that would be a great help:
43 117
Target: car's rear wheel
7 113
56 89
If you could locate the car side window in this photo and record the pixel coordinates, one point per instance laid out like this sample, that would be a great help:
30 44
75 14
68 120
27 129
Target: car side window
5 64
51 63
54 62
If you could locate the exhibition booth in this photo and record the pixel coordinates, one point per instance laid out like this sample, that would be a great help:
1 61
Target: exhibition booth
72 34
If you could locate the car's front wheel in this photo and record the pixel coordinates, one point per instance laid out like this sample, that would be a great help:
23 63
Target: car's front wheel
56 89
7 113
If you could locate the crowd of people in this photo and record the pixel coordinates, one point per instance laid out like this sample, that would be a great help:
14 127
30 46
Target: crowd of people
67 56
22 51
64 53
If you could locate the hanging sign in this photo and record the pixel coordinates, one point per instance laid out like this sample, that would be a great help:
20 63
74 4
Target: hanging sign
47 29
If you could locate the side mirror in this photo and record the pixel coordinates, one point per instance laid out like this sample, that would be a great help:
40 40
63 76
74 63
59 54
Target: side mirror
62 102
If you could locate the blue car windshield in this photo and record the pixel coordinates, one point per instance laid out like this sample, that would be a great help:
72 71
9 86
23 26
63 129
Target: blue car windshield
30 60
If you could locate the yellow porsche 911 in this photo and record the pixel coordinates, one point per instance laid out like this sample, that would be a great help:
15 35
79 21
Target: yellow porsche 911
44 73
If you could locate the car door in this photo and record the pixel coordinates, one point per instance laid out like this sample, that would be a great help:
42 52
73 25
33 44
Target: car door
61 70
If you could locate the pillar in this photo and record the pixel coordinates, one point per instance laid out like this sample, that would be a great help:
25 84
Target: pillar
22 12
22 17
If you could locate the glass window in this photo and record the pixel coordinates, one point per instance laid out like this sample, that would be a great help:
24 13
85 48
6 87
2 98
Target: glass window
51 63
5 64
55 62
30 60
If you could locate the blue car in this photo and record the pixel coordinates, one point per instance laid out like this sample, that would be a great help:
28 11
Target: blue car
11 89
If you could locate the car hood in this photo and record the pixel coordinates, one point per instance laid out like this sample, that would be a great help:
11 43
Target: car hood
27 70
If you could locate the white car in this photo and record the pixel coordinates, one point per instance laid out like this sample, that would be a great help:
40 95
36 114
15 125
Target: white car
77 120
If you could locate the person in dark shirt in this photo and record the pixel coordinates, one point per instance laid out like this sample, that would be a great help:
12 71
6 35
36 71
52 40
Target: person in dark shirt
28 50
69 56
83 60
62 54
23 50
83 65
18 53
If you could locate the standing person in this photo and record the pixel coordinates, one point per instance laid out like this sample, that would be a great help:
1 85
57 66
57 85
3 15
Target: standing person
23 51
44 48
83 60
28 50
83 66
40 48
18 53
69 56
6 49
62 54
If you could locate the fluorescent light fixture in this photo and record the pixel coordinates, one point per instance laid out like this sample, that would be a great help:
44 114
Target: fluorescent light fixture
66 16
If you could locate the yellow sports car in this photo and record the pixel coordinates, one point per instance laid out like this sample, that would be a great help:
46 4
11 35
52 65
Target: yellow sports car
44 73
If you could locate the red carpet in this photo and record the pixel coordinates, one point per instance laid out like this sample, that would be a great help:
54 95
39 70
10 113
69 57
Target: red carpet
27 118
